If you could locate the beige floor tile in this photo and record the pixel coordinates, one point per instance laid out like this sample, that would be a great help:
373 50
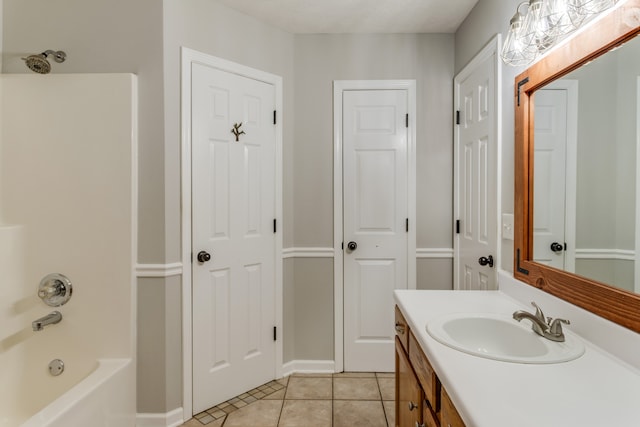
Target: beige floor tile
355 388
278 395
195 423
309 388
263 413
307 413
355 375
390 412
358 413
387 388
385 375
311 374
284 381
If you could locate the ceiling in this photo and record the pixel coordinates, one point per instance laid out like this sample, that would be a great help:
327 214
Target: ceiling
358 16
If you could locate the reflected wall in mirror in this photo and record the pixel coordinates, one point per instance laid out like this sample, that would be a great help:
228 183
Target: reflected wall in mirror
576 149
585 182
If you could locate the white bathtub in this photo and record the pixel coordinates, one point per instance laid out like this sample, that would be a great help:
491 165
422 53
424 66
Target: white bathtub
105 398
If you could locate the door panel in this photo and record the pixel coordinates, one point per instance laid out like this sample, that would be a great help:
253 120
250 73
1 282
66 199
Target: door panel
375 209
549 185
477 178
233 187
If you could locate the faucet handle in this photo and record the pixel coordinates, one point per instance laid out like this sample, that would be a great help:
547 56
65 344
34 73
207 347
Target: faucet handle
556 326
539 313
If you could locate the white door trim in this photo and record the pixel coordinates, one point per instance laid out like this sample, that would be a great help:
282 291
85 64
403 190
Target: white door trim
190 56
338 264
490 49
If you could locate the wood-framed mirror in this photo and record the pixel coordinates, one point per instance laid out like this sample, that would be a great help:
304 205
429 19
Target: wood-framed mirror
602 297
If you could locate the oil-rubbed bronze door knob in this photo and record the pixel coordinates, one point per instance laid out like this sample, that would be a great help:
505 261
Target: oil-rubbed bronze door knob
486 261
203 256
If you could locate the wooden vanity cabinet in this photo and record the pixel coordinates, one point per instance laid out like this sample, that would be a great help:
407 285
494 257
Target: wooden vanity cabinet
408 391
449 414
421 401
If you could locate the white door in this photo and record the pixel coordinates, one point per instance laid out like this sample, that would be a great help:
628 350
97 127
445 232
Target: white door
476 179
550 140
375 212
233 193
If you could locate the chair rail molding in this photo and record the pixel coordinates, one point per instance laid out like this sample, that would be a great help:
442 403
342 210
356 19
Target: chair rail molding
320 252
159 270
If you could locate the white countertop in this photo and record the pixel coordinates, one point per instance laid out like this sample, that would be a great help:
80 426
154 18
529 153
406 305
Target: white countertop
595 390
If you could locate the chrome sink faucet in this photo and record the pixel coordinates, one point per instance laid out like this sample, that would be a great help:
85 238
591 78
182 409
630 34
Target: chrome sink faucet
548 328
49 319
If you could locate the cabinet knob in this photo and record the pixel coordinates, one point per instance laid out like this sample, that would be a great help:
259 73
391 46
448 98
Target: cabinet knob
400 328
412 406
419 425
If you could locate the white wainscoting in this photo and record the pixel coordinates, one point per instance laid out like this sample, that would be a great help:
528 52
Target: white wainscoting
619 254
427 253
307 253
175 268
421 253
159 270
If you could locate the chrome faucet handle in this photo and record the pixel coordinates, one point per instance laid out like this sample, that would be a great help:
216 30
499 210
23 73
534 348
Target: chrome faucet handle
540 314
556 326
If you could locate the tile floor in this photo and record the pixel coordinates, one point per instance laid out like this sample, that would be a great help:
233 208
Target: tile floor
309 400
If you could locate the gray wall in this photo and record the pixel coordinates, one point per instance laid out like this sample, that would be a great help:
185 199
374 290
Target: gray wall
319 60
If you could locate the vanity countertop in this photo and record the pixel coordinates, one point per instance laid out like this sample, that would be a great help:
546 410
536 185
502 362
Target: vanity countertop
595 390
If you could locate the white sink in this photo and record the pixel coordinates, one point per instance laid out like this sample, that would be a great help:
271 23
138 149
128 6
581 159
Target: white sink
500 337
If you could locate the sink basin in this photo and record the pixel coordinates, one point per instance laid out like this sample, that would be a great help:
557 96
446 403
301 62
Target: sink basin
500 337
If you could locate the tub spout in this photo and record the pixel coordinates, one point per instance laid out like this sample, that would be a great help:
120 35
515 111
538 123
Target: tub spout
49 319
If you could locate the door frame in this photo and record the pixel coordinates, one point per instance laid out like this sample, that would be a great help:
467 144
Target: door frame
339 86
188 57
492 48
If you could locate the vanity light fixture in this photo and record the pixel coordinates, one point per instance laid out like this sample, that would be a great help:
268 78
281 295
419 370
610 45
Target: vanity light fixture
544 24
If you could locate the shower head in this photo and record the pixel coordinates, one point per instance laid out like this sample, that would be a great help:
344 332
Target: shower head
39 64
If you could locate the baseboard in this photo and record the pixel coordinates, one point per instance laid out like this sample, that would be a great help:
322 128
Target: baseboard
308 367
170 419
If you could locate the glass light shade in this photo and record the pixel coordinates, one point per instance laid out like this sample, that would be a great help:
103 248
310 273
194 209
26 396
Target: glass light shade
556 12
580 10
513 50
537 31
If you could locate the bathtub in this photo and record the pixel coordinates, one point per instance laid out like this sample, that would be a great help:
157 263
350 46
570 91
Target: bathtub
68 206
105 398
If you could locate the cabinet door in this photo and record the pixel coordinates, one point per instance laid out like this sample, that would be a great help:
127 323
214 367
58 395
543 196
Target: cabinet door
450 416
408 392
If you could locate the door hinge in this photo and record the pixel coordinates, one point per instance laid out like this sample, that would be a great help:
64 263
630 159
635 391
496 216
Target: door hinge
458 117
274 117
407 225
274 225
457 226
406 120
275 335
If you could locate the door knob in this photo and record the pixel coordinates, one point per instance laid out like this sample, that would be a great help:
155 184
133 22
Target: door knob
486 261
556 247
203 256
352 246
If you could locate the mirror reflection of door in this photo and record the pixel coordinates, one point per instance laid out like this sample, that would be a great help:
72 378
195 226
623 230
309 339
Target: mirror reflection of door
555 175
